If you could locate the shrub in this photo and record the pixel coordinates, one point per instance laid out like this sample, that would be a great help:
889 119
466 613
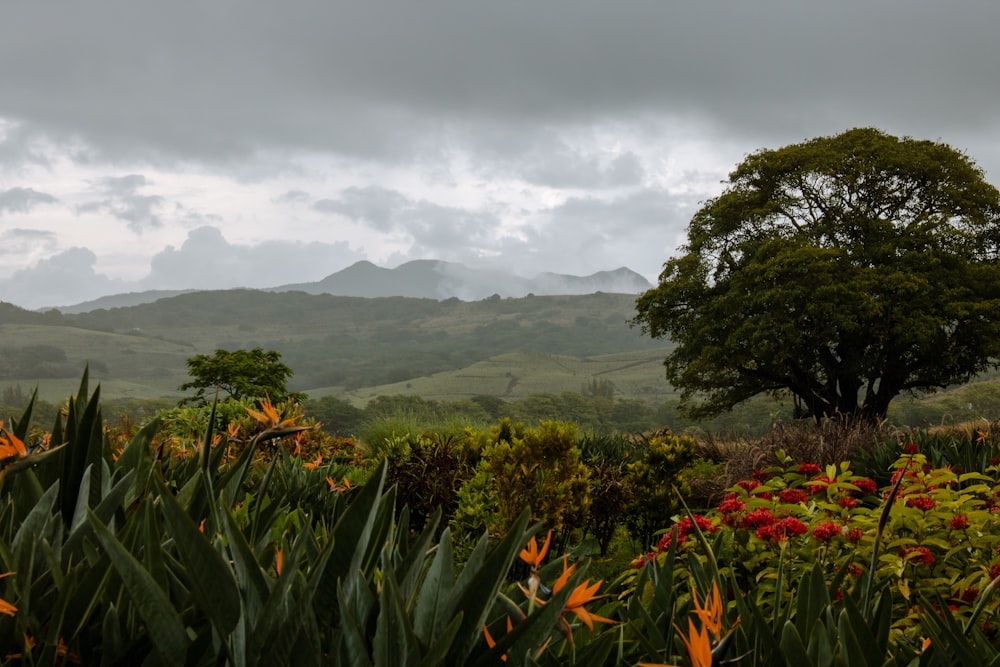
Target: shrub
654 482
537 468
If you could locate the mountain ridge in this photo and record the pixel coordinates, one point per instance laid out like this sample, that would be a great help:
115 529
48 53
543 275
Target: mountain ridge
422 278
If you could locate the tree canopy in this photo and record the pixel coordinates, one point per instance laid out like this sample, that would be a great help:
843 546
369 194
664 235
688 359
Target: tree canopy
843 270
241 374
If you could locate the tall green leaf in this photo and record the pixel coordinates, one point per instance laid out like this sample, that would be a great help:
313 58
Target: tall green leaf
162 621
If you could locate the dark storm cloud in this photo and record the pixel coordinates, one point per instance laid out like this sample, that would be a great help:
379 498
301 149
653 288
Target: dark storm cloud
124 202
22 200
217 80
567 168
206 260
433 228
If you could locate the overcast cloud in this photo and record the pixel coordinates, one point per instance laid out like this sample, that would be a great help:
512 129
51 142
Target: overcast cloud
196 145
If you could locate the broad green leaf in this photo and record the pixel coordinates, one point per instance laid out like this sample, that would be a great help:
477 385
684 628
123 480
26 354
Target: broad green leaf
792 647
476 591
162 622
430 612
209 573
394 642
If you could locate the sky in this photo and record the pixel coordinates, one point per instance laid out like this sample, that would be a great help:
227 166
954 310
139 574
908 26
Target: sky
252 143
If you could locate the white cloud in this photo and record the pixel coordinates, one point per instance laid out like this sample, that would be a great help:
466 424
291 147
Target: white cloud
22 200
573 136
66 278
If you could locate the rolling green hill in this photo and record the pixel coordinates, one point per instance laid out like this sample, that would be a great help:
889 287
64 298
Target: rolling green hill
350 346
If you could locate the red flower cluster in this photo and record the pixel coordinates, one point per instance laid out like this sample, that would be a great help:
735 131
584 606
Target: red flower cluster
825 532
924 555
819 483
732 504
758 517
782 529
854 535
959 522
684 528
920 502
809 469
792 496
866 486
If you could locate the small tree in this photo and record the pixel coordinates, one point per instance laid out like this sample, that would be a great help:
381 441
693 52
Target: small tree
241 374
843 270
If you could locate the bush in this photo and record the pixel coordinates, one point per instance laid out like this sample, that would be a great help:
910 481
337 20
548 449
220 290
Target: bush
523 468
655 484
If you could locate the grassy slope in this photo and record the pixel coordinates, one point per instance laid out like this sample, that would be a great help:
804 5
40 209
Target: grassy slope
504 347
636 374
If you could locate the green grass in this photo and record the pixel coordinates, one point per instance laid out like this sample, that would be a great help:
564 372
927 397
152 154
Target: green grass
515 376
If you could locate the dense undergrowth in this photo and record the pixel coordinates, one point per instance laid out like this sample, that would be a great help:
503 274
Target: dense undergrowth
242 534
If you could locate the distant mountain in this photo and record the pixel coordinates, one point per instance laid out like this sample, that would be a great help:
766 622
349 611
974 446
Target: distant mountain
120 301
433 279
423 279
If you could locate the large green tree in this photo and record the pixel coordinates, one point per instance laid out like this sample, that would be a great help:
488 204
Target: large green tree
241 374
843 270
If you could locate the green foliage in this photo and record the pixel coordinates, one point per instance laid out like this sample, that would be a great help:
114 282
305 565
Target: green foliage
536 468
265 560
241 374
218 565
655 483
429 473
844 270
336 416
607 459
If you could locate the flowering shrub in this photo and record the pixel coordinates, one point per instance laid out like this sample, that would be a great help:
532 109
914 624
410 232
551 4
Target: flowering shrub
654 482
940 536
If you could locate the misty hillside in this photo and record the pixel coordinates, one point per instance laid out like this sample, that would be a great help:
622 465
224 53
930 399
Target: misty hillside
432 279
335 344
420 279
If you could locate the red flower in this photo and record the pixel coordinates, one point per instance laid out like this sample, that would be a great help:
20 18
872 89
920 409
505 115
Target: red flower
762 475
808 469
765 533
668 539
924 555
684 528
790 526
959 522
847 502
911 448
703 522
995 571
759 517
730 505
920 502
854 535
866 487
748 485
792 496
825 532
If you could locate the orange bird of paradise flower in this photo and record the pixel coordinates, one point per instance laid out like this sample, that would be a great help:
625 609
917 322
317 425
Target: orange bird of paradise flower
269 415
6 607
11 445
